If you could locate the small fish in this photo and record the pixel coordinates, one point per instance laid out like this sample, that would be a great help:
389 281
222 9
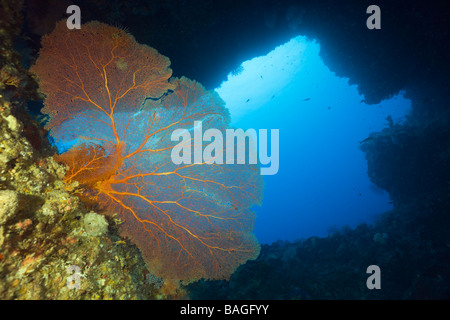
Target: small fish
307 99
362 101
42 119
247 100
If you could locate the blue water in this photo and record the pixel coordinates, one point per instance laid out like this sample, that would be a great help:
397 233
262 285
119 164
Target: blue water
322 181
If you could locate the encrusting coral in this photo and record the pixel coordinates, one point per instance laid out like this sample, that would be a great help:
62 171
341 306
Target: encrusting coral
95 224
43 233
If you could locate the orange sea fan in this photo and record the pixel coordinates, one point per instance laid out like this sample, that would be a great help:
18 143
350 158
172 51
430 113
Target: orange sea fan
190 221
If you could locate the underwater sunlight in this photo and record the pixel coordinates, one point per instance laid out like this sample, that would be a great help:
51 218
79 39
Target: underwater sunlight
322 181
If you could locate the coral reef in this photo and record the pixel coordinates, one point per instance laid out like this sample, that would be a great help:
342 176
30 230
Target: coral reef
43 232
334 267
111 96
9 202
95 224
51 246
42 227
